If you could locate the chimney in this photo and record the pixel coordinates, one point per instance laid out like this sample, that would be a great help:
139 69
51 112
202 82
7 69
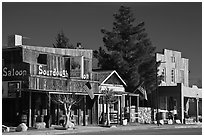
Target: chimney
15 40
79 46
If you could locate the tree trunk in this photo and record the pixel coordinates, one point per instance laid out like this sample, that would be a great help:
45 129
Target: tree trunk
67 123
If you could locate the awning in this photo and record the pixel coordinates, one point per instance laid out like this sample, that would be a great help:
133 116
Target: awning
79 93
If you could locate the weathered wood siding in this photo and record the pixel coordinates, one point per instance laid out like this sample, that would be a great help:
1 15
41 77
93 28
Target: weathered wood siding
57 60
60 51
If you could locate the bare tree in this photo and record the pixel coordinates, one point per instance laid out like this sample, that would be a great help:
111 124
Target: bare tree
67 100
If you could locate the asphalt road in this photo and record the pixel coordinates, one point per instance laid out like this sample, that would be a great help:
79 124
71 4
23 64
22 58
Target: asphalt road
177 131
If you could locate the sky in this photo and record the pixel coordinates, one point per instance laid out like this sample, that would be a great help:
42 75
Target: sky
176 26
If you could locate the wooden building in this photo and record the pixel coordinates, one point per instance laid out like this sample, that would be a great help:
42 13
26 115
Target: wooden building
126 106
33 75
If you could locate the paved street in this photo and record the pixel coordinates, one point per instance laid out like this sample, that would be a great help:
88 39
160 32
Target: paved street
182 131
140 129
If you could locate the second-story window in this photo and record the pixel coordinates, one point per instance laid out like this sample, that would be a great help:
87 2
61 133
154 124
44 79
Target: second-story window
173 60
86 68
173 75
42 59
164 74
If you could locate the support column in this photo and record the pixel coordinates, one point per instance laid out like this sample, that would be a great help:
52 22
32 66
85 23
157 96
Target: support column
107 114
95 119
197 99
137 108
79 116
29 109
129 109
103 110
97 116
118 114
181 103
121 111
84 112
48 121
152 106
58 113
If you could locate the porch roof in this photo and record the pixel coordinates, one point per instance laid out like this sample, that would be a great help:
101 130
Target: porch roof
79 93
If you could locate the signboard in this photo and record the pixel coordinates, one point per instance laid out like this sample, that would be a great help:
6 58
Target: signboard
15 72
67 67
42 70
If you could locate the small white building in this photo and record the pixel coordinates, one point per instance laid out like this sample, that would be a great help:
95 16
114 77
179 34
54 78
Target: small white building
111 80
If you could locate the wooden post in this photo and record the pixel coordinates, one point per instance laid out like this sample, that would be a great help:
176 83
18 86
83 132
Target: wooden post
57 113
121 111
84 112
107 114
118 114
137 107
181 103
29 113
129 108
103 112
197 99
96 111
79 116
48 111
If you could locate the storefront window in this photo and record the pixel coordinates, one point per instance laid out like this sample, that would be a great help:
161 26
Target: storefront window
13 91
75 66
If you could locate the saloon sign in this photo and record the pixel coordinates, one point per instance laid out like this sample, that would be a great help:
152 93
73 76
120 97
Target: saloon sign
42 70
15 72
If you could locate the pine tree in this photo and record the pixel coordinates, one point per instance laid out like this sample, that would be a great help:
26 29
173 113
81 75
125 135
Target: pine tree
62 41
129 51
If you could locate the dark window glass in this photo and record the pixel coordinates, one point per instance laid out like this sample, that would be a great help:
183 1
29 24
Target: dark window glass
42 59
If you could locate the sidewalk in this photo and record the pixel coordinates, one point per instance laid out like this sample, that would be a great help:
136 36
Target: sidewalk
81 129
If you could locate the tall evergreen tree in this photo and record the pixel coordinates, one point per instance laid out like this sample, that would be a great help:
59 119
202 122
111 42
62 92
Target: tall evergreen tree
62 41
129 51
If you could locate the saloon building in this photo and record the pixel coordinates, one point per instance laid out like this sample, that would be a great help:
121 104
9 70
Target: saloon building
32 76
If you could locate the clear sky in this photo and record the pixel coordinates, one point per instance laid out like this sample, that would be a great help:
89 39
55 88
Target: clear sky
175 26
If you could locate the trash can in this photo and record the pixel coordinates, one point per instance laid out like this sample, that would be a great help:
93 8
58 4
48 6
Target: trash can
125 122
